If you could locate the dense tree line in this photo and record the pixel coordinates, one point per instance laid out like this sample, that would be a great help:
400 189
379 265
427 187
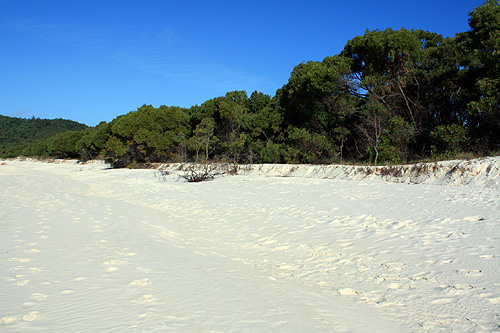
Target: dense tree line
17 133
390 96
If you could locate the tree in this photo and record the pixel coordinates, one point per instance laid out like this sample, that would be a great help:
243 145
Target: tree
63 145
115 147
481 49
41 148
394 142
374 119
448 140
341 133
93 143
203 137
309 147
18 135
233 122
150 134
319 97
413 75
315 94
257 102
382 65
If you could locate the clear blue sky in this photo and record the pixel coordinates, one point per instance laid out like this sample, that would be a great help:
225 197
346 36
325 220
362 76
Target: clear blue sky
95 60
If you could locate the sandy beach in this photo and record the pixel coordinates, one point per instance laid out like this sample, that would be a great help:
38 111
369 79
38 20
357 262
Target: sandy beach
88 248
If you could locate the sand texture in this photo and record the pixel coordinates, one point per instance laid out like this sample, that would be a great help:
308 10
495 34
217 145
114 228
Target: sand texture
313 249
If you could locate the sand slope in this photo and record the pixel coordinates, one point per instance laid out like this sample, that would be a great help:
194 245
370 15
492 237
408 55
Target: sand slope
87 248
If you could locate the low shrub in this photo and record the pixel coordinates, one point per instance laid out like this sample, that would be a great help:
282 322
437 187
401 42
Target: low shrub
195 173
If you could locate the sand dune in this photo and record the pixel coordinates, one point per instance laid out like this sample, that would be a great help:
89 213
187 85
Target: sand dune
275 248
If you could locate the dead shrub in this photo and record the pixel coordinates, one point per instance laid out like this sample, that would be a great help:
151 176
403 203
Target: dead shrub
199 173
195 173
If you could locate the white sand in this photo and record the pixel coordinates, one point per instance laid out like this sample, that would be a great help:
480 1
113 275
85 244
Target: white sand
83 248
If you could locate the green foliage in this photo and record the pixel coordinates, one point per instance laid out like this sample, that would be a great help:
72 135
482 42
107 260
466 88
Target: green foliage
481 48
16 134
203 138
309 147
63 145
379 53
93 142
151 128
394 142
384 65
115 147
40 148
313 96
272 152
257 102
149 134
448 140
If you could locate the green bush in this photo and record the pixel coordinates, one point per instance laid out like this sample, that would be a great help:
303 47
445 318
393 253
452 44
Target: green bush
448 140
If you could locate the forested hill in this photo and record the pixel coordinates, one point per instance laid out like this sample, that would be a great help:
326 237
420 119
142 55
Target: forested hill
15 133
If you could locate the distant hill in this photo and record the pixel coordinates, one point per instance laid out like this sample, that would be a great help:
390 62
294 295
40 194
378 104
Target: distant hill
17 132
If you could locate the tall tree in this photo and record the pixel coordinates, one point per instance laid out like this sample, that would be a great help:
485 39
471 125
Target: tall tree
383 64
481 47
203 138
313 96
149 133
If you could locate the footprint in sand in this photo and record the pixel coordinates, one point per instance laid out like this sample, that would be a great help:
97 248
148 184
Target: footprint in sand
472 272
22 283
67 292
395 286
347 292
79 279
31 316
29 304
443 301
38 296
494 300
114 262
140 283
488 256
97 228
147 298
134 323
35 270
9 319
474 218
22 260
373 298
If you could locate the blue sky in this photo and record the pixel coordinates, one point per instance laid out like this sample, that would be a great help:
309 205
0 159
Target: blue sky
91 61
